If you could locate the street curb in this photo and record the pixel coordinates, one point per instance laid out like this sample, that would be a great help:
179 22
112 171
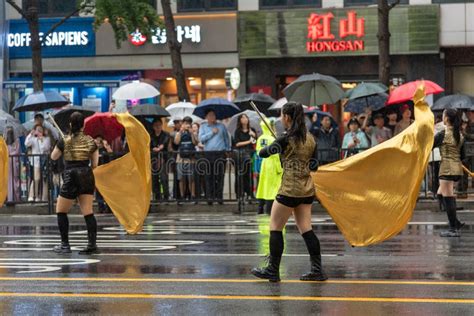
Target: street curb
42 209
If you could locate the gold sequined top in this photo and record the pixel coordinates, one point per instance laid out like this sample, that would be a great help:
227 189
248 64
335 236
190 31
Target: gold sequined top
77 147
296 180
450 155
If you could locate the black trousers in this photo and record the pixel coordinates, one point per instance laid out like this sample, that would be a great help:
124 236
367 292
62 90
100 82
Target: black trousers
215 171
244 181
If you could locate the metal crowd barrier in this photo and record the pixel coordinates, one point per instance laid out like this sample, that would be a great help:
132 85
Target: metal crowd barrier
206 177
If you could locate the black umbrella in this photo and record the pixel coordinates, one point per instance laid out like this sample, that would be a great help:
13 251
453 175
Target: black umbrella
455 101
261 100
149 110
40 101
62 116
314 89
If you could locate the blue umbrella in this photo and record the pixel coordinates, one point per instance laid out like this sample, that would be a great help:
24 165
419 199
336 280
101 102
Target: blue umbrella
40 101
221 107
375 102
321 114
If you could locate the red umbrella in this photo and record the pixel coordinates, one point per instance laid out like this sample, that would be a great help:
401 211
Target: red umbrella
406 91
103 124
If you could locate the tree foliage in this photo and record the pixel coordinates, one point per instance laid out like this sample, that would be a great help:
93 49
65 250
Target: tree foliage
126 16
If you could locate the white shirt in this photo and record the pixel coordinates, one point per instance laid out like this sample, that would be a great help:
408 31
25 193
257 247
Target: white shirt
38 147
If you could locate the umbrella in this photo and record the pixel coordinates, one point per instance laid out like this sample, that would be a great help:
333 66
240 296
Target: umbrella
455 101
276 107
62 116
314 89
149 110
8 120
320 114
135 90
406 91
365 89
103 124
261 100
358 105
54 131
180 109
221 107
254 121
39 101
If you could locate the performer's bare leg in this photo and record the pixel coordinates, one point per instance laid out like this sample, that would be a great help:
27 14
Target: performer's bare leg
85 203
63 206
303 222
446 189
278 219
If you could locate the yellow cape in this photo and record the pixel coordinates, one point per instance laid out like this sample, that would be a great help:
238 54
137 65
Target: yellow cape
125 183
3 171
371 196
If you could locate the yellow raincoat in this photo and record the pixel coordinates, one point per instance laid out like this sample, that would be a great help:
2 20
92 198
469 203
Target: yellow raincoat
271 170
371 196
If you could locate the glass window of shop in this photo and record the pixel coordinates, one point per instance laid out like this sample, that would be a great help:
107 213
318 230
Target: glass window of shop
198 89
268 4
463 80
354 3
206 5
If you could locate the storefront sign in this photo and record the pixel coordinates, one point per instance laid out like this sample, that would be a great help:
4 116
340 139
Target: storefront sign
337 32
75 37
192 33
137 38
322 39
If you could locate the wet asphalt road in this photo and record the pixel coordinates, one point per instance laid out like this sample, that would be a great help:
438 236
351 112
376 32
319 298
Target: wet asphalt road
185 263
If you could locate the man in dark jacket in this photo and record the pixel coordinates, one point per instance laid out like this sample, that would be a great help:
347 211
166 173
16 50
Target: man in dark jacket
159 143
327 139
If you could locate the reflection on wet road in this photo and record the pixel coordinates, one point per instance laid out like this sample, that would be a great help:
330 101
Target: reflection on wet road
199 264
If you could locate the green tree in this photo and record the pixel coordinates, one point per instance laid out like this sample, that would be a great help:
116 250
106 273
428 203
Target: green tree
125 16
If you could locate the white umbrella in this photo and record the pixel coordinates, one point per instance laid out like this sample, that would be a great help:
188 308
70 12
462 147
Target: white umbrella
54 131
254 121
181 109
135 90
196 119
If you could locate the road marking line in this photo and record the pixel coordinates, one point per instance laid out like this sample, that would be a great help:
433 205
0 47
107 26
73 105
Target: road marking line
242 297
171 280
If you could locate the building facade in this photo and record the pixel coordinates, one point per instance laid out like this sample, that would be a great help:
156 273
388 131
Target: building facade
270 41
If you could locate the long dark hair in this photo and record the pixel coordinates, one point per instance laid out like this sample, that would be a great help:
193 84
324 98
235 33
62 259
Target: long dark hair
239 123
455 121
297 130
77 122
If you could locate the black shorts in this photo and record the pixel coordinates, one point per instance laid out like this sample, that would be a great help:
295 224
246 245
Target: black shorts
294 201
450 178
76 182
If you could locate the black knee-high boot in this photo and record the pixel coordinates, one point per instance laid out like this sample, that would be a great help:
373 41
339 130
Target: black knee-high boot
272 271
441 202
63 224
314 250
91 224
450 204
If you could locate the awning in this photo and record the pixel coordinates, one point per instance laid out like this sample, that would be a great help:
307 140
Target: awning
75 81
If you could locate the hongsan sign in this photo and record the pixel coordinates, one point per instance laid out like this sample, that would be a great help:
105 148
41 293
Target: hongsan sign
330 32
321 37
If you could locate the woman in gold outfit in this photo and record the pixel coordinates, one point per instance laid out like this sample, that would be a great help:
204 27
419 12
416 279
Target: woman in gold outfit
451 145
80 157
298 152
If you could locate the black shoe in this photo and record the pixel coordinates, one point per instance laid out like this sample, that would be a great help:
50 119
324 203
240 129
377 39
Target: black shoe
459 224
209 203
450 233
260 211
316 273
220 202
63 248
271 272
89 250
